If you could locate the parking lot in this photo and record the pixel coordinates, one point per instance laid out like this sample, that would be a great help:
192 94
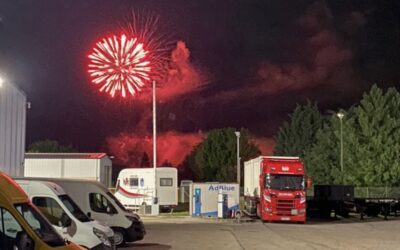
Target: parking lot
195 233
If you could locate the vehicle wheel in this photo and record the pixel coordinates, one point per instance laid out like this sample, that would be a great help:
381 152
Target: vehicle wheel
119 237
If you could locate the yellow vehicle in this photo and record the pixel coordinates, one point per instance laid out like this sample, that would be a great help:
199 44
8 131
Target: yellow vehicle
22 226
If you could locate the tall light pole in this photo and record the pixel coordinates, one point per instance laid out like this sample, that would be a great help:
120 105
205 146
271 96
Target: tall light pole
154 140
237 133
340 115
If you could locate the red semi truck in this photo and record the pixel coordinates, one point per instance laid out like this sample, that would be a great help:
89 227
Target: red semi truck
275 188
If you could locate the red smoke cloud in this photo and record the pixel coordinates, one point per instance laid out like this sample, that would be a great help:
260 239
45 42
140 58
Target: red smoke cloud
266 145
182 76
328 59
128 149
321 58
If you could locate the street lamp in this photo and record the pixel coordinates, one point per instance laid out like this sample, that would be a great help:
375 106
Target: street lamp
237 133
1 82
340 115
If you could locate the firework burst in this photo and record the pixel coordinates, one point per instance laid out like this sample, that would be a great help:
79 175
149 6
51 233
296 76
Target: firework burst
119 64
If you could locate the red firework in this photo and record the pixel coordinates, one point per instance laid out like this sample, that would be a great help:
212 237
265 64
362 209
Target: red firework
119 64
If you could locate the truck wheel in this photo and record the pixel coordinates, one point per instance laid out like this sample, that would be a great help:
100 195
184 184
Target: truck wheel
119 237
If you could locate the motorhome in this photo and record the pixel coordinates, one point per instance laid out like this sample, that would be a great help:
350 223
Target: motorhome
22 226
135 187
65 216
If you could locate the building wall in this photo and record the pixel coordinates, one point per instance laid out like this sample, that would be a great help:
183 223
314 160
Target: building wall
12 129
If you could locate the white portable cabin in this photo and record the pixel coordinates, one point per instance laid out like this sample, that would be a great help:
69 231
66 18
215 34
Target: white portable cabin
84 166
135 187
12 129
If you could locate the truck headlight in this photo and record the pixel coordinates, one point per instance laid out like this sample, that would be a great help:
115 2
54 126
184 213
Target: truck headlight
102 237
302 200
267 198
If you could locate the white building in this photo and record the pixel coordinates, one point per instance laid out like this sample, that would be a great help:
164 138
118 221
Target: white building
85 166
12 129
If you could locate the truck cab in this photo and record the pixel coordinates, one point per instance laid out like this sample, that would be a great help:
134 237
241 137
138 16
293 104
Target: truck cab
22 226
282 184
280 194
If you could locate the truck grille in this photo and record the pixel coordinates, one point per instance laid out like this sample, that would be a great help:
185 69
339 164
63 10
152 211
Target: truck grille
284 207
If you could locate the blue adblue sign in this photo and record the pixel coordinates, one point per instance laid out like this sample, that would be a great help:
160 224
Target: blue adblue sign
221 187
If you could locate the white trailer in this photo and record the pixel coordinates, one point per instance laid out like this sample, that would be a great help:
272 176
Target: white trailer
204 201
84 166
135 187
12 129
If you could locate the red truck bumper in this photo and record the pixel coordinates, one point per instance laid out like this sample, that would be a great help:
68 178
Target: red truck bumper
273 217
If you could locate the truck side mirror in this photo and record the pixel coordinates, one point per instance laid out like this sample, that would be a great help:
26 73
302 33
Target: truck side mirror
65 220
308 182
24 242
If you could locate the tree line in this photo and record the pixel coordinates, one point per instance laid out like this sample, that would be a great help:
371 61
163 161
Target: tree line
370 136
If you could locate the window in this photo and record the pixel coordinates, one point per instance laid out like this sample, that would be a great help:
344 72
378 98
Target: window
134 181
38 223
10 230
49 208
99 203
165 182
73 208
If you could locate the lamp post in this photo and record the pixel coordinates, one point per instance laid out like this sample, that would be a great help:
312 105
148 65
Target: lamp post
340 116
155 143
237 133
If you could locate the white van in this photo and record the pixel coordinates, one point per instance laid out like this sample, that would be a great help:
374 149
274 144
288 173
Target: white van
66 217
135 187
98 203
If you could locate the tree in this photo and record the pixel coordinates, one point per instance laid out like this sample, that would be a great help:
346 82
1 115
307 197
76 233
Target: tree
215 158
49 146
296 136
371 146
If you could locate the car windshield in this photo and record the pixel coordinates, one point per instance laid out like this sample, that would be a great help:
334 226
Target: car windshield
40 225
73 208
284 182
116 201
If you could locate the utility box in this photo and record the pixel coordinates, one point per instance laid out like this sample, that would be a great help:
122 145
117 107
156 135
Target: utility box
184 191
204 199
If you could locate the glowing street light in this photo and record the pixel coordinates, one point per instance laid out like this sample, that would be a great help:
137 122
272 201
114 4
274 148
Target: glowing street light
1 82
237 133
340 115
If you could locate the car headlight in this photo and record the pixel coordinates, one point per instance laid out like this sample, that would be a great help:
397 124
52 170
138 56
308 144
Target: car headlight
267 198
102 237
302 200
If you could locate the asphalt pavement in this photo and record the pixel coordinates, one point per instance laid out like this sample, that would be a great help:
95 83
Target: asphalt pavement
197 233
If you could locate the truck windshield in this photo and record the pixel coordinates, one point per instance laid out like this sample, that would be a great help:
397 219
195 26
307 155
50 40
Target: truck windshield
40 225
284 182
73 208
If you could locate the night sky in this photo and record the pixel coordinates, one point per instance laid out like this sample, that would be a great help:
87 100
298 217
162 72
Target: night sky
244 63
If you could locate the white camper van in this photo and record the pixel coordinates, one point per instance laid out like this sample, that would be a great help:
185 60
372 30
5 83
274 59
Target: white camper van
66 217
135 187
98 203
